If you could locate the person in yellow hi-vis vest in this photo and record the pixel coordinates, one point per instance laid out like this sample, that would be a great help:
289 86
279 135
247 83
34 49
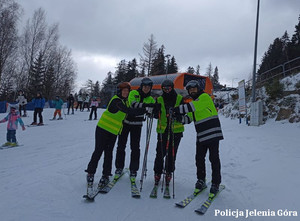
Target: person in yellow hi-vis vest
208 127
133 126
108 128
169 133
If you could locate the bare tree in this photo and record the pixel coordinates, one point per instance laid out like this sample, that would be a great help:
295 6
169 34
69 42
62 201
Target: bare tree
149 53
32 40
9 13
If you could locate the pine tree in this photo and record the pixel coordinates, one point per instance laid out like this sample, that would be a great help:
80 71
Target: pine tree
49 80
36 76
172 67
96 89
108 89
295 42
209 71
121 71
158 67
132 71
190 70
215 79
198 70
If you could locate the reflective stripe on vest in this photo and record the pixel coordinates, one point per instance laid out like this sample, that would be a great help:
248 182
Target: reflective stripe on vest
112 122
206 120
177 127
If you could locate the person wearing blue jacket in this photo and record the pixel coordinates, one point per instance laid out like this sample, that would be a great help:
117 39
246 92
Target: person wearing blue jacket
39 103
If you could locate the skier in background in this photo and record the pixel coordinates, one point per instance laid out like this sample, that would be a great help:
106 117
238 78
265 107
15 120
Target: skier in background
207 124
79 102
93 106
70 103
13 119
39 103
86 102
58 102
22 103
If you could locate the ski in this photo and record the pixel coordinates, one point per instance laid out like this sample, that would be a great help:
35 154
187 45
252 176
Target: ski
183 203
9 147
35 125
153 193
204 207
135 193
91 197
111 184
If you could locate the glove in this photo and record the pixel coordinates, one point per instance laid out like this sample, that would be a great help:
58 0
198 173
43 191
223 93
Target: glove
178 117
176 110
149 111
23 128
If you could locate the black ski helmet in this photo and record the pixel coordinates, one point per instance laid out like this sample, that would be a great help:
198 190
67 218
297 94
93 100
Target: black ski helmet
167 83
191 84
146 82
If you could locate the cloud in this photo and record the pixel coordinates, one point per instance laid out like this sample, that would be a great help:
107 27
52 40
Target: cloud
196 32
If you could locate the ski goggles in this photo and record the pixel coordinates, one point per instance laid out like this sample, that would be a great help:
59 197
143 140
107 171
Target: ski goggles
167 88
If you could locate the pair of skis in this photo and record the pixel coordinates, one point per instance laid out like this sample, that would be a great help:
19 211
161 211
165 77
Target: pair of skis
91 194
207 203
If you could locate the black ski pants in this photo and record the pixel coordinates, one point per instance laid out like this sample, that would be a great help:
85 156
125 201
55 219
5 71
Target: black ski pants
135 137
38 111
93 110
22 107
161 153
71 105
104 142
214 159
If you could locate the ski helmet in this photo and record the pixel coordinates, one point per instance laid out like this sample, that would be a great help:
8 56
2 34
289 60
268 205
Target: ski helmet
192 84
123 85
167 83
146 82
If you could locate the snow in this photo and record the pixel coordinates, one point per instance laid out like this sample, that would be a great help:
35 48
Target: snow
45 180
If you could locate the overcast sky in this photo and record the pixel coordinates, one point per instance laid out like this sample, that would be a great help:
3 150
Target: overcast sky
101 33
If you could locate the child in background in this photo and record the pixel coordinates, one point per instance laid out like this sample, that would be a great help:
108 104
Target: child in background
13 119
94 105
58 105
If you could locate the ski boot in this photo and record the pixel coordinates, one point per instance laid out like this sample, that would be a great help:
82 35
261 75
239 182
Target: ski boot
132 177
103 182
14 144
60 118
167 190
153 193
214 189
90 182
33 123
118 173
200 185
40 124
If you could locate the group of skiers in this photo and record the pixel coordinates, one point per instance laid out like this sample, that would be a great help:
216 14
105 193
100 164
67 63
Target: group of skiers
125 115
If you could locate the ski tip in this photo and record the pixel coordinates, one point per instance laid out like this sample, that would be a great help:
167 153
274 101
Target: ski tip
179 205
88 198
136 196
199 212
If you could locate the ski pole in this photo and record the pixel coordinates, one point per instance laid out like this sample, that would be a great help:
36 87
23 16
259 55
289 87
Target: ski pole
173 159
148 131
167 149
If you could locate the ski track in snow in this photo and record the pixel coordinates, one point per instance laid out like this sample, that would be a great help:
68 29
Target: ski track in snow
45 178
